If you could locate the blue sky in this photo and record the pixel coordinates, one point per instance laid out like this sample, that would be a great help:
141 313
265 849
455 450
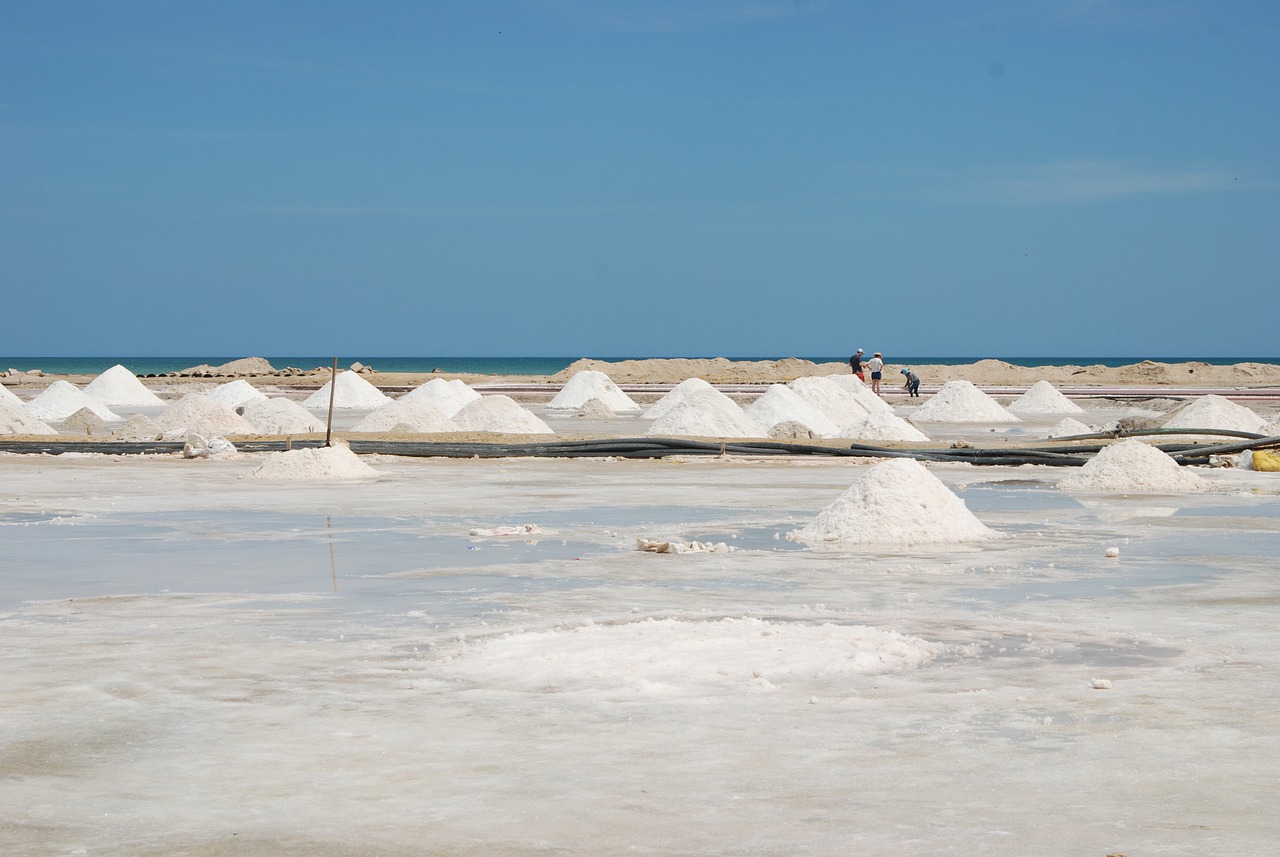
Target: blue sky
589 178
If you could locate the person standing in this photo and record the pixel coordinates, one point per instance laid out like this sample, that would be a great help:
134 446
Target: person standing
876 365
913 382
855 363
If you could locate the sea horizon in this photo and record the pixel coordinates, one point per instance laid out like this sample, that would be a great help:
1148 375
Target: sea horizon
163 364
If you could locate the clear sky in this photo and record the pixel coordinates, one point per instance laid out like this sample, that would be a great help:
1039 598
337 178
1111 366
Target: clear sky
684 178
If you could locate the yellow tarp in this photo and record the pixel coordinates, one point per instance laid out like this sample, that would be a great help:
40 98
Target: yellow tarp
1266 460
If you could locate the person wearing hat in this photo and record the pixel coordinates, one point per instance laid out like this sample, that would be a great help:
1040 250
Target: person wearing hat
855 363
876 365
913 382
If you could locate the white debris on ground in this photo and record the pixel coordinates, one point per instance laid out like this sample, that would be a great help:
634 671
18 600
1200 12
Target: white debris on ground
199 446
1132 465
962 402
61 399
706 413
418 415
279 415
676 397
501 415
1215 412
336 462
781 404
1043 398
1068 427
449 397
351 392
882 426
197 413
509 531
234 394
590 384
895 502
119 388
14 419
680 546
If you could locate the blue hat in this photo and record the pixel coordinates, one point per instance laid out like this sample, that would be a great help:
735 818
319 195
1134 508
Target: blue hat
906 369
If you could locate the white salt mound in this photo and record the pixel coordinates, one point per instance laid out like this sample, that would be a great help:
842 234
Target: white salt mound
196 413
6 396
860 391
882 426
838 404
119 388
1067 427
351 392
14 419
281 416
590 384
594 409
335 462
137 427
83 421
1043 398
449 397
61 399
895 502
962 402
499 414
781 404
676 397
1214 412
708 413
233 394
1132 465
418 415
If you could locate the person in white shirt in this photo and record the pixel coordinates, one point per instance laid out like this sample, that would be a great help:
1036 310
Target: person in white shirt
876 365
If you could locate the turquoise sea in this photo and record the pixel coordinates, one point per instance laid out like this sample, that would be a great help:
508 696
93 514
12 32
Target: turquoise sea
514 365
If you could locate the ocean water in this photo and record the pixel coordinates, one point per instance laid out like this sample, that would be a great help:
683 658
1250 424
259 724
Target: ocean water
515 365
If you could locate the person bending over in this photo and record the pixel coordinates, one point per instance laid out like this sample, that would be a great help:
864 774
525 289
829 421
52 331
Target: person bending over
913 382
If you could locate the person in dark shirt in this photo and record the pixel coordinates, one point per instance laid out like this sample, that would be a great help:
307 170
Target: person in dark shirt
913 382
855 363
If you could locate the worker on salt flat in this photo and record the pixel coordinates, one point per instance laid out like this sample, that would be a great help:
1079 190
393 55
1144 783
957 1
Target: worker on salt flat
855 363
912 386
876 365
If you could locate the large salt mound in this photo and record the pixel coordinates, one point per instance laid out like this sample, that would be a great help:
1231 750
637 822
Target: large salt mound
197 413
233 394
962 402
838 404
1213 412
137 427
781 404
860 391
14 419
61 399
351 392
895 502
281 416
587 385
119 388
882 426
1132 465
676 396
500 414
6 396
419 416
1067 427
1044 398
708 413
297 465
449 397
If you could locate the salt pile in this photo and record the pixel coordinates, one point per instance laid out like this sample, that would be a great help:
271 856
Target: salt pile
962 402
325 463
860 391
83 421
6 396
418 416
138 427
676 397
500 414
594 409
198 414
1213 412
895 502
589 384
350 392
61 399
708 413
449 397
14 419
1067 427
1044 398
119 388
281 416
838 404
233 394
1132 465
882 426
781 404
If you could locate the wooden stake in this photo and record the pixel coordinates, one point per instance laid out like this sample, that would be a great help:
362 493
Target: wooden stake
333 388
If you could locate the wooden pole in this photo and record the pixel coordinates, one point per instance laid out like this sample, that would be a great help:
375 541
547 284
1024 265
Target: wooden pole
333 388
